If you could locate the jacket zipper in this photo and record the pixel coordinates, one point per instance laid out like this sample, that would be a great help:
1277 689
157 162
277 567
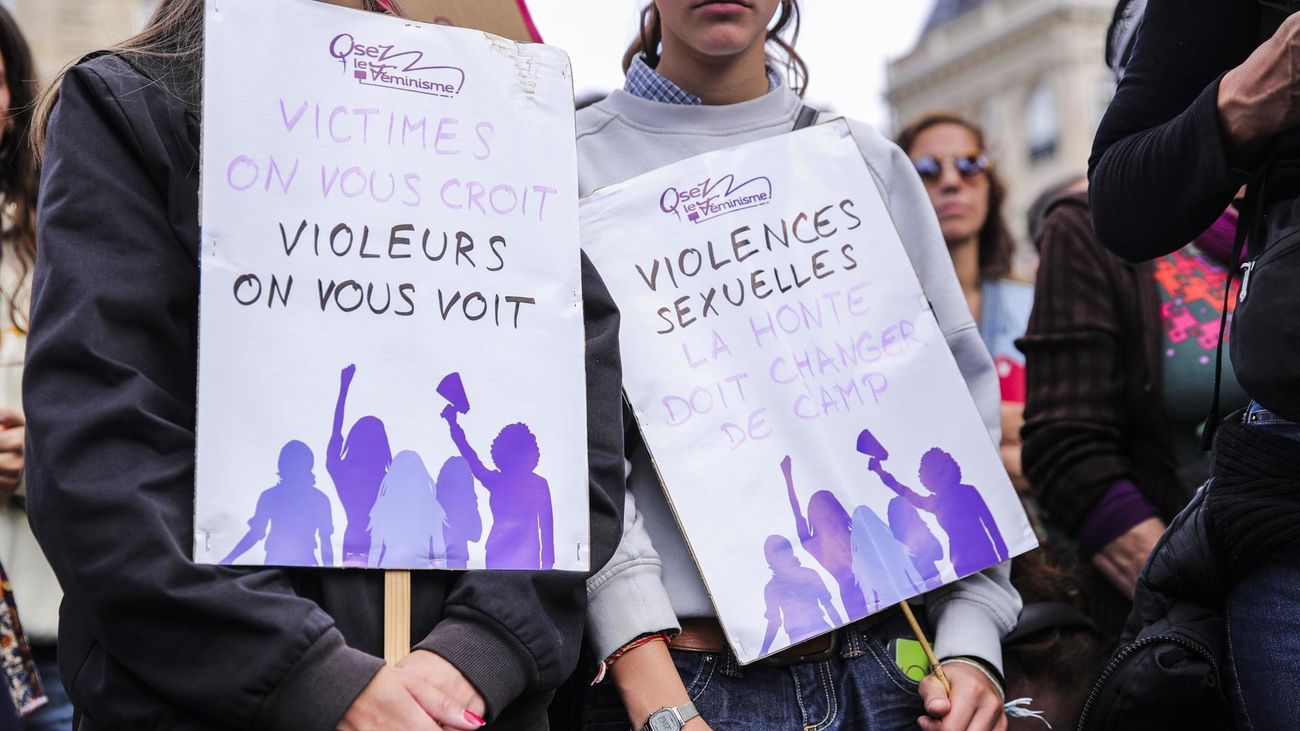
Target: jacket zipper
1133 647
1248 268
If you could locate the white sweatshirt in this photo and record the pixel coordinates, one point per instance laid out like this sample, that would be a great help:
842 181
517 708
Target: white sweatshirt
652 580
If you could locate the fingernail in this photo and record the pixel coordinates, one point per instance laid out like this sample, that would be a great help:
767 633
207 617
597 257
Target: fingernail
473 717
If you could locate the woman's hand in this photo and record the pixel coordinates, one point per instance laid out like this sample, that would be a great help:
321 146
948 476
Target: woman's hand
1123 558
398 699
446 678
974 704
648 681
1260 99
13 431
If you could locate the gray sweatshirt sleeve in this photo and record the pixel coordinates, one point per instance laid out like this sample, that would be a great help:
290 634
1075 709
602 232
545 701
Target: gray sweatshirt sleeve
627 598
970 617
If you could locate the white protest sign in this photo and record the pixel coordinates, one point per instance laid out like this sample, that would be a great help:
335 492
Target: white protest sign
814 435
391 337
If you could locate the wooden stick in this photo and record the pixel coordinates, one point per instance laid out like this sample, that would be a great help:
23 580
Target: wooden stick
397 615
925 645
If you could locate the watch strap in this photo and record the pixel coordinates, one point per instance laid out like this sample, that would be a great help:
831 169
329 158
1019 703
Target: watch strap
683 714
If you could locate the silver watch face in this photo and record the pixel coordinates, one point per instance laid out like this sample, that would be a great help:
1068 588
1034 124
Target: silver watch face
664 720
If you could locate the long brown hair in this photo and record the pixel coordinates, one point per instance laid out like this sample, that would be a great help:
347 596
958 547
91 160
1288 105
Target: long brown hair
18 171
996 247
796 71
173 36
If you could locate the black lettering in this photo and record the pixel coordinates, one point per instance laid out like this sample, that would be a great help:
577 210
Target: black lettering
370 299
446 308
683 312
794 228
820 270
819 222
464 245
284 236
246 280
518 302
338 295
663 313
397 237
334 237
365 239
847 252
405 291
845 205
496 243
283 294
441 253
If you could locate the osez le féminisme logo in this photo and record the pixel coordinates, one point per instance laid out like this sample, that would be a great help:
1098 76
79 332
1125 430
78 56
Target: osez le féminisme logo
389 67
716 197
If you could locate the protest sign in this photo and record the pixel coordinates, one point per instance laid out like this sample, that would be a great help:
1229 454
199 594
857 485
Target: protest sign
811 428
391 336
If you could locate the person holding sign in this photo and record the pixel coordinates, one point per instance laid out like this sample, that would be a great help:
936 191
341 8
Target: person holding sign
157 639
699 78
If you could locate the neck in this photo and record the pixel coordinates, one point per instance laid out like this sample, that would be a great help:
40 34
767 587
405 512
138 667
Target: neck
727 80
966 260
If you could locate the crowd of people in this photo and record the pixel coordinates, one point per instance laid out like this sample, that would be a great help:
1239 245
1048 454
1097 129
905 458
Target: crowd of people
1164 593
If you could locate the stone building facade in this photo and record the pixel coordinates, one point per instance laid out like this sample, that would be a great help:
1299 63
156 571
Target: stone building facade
61 31
1031 72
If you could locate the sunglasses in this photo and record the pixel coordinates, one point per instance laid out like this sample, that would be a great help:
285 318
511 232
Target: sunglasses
969 167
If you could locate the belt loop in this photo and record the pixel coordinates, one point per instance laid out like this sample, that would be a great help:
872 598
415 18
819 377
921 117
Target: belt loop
854 643
731 667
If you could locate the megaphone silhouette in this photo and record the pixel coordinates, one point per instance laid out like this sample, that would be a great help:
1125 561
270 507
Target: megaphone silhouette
870 446
452 389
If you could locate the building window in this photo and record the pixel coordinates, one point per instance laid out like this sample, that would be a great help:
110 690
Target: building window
1042 131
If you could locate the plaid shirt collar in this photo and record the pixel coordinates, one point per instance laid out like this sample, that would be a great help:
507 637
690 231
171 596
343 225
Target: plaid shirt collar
651 85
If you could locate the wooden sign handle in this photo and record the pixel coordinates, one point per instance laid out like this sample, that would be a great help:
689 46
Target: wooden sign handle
925 645
397 615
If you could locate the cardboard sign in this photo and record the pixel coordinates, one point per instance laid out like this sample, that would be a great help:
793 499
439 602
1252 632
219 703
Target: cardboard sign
809 423
391 338
506 18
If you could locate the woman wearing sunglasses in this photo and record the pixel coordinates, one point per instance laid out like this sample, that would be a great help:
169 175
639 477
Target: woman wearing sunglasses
949 154
700 78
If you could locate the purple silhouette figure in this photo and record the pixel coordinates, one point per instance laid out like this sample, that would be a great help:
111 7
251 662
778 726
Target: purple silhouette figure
295 512
463 525
923 549
406 522
357 467
826 535
880 561
796 596
974 541
523 531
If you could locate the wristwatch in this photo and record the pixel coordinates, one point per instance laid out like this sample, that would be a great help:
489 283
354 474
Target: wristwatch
671 719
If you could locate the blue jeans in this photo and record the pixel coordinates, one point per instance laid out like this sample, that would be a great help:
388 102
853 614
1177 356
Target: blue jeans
861 688
1263 612
56 715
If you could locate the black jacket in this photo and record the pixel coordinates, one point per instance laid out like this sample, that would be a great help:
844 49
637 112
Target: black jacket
148 639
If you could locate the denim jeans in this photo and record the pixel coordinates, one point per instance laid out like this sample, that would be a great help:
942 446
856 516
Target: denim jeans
861 688
1263 612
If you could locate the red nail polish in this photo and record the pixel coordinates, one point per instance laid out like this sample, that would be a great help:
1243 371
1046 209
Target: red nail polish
473 717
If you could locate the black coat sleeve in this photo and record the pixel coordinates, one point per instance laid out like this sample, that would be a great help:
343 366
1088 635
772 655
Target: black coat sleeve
109 391
515 632
1159 169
